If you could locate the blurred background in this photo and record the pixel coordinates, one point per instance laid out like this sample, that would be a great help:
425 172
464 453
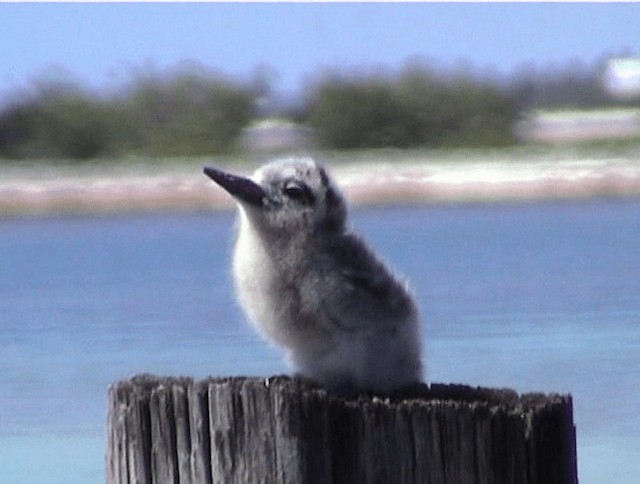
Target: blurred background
491 153
95 81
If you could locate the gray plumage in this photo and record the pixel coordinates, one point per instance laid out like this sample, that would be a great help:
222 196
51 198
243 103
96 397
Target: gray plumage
315 289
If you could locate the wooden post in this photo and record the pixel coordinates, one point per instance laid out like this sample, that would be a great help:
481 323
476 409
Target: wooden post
284 430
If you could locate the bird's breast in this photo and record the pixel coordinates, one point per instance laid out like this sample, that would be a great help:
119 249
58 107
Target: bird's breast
266 290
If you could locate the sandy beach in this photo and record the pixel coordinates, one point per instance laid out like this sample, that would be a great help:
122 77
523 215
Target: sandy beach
41 189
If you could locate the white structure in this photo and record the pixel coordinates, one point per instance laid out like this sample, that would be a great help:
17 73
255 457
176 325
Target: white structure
622 78
580 125
277 135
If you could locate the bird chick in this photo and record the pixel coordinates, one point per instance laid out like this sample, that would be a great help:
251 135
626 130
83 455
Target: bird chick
315 289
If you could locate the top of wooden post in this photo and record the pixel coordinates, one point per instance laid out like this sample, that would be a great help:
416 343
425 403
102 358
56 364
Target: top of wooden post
422 393
283 429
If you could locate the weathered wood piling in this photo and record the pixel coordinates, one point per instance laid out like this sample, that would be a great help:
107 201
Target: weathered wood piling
285 430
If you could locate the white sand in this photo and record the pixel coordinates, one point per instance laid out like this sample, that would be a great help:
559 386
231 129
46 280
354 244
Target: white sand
40 189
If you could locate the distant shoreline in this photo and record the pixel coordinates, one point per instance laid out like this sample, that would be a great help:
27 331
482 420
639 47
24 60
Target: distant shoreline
102 189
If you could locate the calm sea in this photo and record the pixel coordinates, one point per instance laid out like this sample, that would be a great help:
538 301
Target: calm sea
537 297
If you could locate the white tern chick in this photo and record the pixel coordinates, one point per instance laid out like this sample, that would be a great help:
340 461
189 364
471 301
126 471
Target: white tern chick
316 290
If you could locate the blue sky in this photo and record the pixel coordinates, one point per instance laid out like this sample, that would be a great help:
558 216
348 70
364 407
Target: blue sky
100 44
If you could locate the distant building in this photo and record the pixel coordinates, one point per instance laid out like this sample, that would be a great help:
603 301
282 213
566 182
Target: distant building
580 125
622 78
277 135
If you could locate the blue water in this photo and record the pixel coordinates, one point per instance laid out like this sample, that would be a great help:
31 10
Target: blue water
537 297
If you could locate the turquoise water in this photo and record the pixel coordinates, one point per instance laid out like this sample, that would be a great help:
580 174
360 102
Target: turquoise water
537 297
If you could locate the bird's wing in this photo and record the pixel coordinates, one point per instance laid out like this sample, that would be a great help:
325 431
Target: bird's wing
359 292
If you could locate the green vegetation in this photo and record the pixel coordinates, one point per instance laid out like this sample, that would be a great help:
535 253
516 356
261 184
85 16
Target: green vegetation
193 112
65 125
187 114
417 109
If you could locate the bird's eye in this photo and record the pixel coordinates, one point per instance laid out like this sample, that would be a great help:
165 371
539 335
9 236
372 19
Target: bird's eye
298 192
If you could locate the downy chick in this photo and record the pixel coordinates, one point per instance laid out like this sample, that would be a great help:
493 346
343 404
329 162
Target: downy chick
315 289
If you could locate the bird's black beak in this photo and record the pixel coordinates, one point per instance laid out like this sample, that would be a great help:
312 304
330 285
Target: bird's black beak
239 187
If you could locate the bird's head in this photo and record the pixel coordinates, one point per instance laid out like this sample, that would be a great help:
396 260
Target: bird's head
288 197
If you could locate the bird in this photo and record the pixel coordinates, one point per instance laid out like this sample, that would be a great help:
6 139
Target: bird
314 288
